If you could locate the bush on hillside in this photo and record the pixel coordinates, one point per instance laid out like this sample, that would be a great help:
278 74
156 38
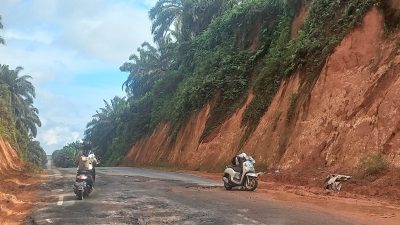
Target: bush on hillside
372 165
36 155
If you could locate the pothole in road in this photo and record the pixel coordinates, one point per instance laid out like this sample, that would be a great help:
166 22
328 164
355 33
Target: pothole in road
58 184
198 187
150 210
125 198
137 179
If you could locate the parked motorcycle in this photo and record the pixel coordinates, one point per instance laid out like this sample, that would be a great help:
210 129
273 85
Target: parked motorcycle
247 179
83 184
333 181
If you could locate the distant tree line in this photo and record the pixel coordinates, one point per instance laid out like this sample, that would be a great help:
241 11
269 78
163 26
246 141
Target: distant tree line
65 157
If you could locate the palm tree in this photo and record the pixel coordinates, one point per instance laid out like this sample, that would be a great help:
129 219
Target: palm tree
1 38
19 87
21 93
183 19
29 120
103 127
144 69
165 14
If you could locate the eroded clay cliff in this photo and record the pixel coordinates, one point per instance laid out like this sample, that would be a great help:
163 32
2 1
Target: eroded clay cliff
352 111
9 159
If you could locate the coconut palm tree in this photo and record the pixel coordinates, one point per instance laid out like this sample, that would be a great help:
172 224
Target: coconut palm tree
19 87
181 20
165 14
29 120
21 93
103 127
144 68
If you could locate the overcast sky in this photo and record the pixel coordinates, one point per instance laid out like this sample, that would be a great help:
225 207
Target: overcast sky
72 49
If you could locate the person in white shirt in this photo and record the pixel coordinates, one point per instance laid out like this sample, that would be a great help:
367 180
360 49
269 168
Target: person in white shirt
92 162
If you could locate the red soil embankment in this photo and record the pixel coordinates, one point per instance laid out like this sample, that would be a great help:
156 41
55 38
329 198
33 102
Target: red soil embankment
18 188
188 151
351 112
8 158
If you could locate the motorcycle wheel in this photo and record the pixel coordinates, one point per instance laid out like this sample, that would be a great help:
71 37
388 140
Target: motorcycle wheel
226 185
80 195
251 184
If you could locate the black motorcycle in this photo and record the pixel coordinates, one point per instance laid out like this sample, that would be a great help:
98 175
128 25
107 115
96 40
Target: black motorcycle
83 184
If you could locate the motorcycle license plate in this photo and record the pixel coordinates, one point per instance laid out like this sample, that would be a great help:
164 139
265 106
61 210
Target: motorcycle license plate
79 185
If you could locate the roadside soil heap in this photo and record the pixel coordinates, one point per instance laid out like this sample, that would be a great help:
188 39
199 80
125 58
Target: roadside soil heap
18 188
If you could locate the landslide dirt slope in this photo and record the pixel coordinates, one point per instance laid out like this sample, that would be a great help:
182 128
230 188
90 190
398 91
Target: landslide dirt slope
17 194
351 112
8 157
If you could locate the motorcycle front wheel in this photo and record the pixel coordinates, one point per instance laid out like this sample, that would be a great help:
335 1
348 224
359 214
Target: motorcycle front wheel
251 183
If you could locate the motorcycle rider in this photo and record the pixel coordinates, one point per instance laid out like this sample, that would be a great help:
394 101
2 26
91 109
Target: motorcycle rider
92 162
85 160
237 162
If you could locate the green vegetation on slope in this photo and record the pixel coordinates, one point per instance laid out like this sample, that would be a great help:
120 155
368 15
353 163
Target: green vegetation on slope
36 155
238 46
326 25
372 165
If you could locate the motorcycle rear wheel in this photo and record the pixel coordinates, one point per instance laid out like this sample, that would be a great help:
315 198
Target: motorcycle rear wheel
80 195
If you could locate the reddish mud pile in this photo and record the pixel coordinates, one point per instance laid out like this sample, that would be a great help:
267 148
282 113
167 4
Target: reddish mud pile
17 187
18 194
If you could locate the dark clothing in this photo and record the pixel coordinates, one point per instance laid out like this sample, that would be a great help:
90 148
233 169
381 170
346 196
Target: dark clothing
237 163
94 174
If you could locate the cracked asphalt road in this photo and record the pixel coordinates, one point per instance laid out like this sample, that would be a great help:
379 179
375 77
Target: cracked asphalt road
142 196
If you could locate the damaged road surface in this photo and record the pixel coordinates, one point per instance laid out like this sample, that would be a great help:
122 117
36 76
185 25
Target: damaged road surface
141 196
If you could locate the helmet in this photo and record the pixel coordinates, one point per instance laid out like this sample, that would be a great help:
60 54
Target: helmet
86 147
242 154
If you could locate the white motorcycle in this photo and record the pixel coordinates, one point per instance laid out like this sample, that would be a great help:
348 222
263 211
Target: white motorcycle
248 179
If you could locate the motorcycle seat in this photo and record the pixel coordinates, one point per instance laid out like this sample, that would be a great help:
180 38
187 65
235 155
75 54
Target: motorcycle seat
235 168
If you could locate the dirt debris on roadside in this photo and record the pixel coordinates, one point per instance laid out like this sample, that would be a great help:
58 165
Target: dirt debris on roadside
18 195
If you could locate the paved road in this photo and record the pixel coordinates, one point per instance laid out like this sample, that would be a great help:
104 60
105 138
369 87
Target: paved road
142 196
